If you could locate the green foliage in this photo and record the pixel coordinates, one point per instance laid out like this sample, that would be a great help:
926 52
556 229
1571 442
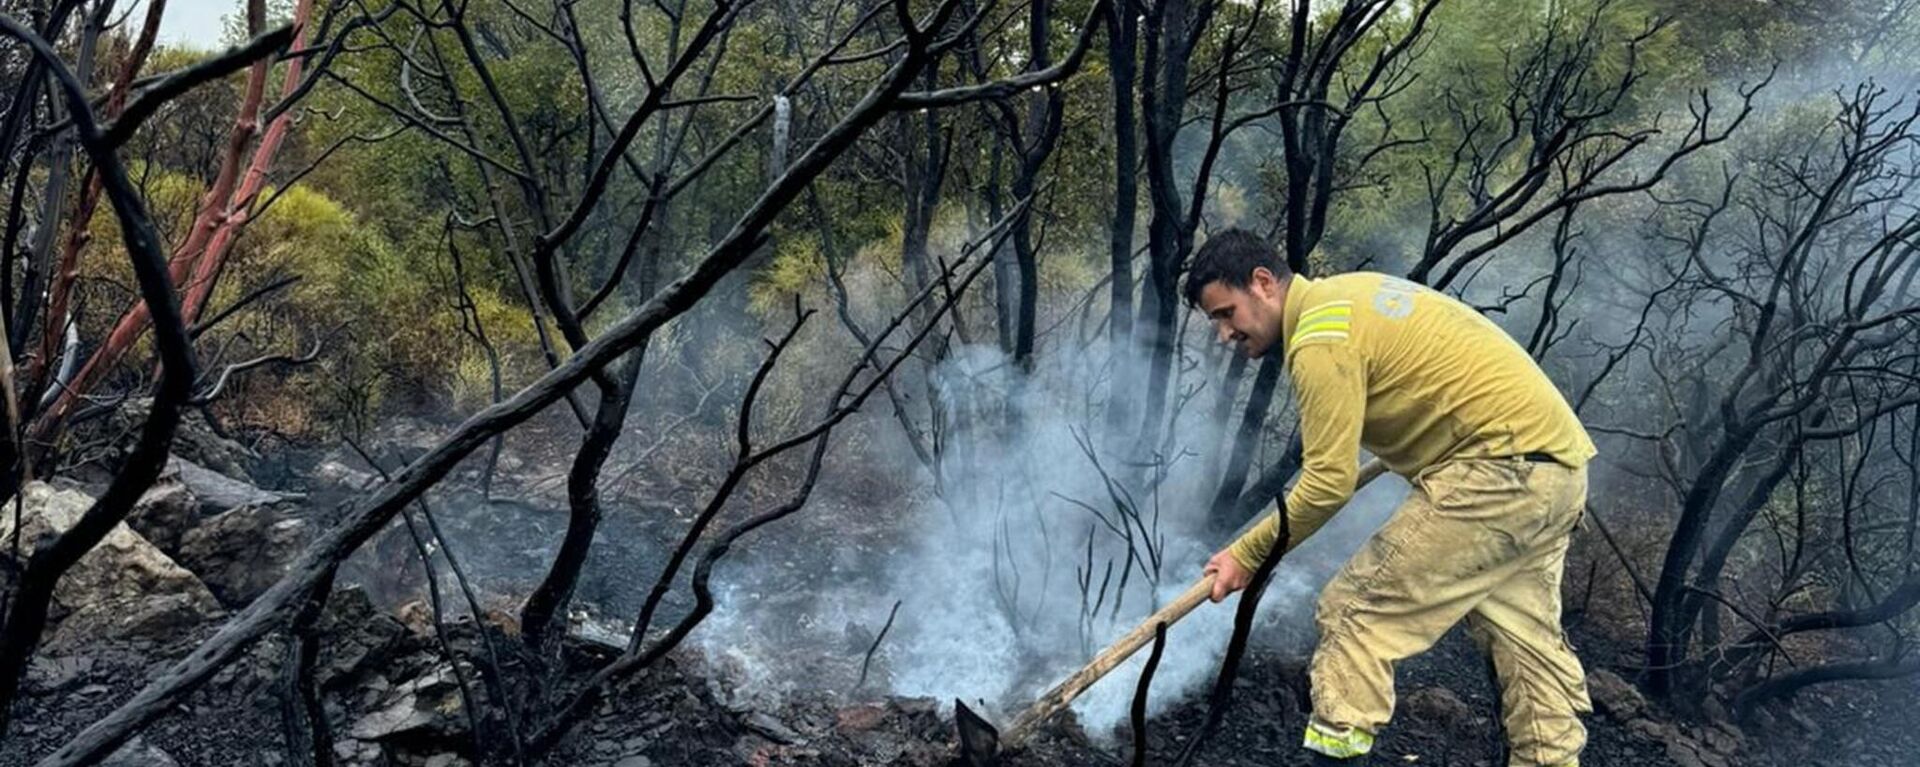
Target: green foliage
365 227
357 290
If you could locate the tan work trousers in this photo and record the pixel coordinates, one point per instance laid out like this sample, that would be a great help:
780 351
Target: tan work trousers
1480 539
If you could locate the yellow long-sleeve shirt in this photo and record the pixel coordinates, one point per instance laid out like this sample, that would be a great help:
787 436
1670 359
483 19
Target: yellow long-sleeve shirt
1415 377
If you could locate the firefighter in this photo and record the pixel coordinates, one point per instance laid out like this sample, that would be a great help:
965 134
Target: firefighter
1497 460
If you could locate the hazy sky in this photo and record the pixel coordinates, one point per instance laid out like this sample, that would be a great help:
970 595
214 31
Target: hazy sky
188 22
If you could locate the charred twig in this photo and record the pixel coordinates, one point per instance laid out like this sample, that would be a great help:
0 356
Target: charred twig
868 660
1139 710
844 403
1249 603
301 701
476 330
1633 574
445 637
256 294
220 384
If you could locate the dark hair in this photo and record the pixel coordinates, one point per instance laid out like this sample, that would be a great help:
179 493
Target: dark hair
1230 256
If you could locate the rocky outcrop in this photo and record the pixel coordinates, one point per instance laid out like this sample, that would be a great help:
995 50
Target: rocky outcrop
236 537
240 553
425 708
219 492
195 440
124 588
165 512
361 641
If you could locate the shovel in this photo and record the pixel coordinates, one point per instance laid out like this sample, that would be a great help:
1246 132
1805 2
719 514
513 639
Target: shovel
981 743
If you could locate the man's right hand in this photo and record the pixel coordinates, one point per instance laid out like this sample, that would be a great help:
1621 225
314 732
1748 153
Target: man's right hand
1228 575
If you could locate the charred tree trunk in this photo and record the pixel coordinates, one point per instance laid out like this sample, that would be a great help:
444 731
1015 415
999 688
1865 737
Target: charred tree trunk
1224 514
1123 29
21 113
67 270
54 200
303 717
1163 103
1042 131
543 619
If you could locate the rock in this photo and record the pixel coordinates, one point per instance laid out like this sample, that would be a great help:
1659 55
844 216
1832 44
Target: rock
1687 752
1615 697
634 761
1723 738
859 638
54 674
859 718
124 588
360 638
243 551
139 753
161 616
1440 706
428 706
447 760
1712 749
218 492
402 440
1647 729
165 512
337 473
770 727
195 440
1715 710
1807 724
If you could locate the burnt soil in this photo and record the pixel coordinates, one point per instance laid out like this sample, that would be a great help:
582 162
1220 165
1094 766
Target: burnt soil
672 715
681 712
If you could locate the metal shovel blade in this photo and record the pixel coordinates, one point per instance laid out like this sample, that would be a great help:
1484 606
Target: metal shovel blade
979 740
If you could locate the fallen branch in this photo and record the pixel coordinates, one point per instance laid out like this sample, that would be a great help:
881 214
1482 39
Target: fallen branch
1793 681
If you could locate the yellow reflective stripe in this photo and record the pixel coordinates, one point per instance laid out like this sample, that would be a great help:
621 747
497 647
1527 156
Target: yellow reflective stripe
1328 334
1344 315
1330 307
1323 321
1339 745
1330 320
1338 323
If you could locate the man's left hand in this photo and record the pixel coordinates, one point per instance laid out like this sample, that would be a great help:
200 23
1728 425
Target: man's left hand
1228 575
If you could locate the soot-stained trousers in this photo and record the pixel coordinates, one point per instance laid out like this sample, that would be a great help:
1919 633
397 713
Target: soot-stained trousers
1497 460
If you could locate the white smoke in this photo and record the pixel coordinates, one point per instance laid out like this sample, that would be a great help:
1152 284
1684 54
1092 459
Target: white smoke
991 571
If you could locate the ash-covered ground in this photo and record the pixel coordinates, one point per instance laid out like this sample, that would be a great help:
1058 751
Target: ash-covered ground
797 665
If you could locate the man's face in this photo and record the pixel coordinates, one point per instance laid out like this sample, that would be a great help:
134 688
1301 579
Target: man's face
1246 317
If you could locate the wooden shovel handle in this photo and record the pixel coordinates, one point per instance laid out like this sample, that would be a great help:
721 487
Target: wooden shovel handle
1117 653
